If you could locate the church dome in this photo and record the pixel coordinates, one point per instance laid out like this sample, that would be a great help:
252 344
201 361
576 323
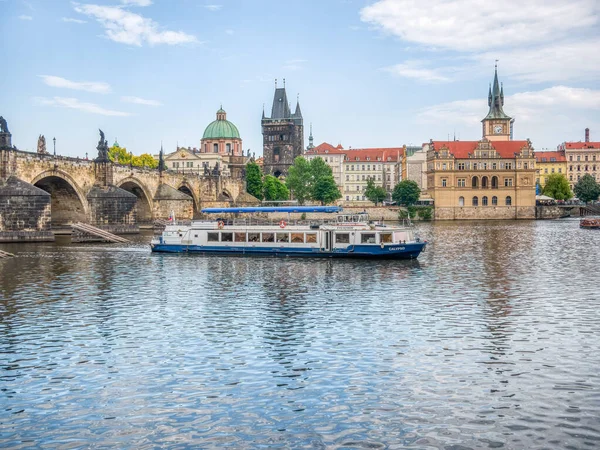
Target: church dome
221 128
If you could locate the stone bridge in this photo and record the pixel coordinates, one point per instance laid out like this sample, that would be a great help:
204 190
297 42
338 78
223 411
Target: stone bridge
41 192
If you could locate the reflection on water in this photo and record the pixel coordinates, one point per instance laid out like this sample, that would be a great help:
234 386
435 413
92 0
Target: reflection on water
491 339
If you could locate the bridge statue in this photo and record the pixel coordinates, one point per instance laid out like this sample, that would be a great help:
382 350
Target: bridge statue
102 147
3 125
41 147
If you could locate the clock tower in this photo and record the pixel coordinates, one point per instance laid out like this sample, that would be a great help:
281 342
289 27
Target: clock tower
496 125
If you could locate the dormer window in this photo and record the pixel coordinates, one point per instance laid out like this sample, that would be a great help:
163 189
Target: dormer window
389 158
368 158
357 158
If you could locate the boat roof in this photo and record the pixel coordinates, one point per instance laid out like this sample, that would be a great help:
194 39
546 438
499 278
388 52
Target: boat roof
267 209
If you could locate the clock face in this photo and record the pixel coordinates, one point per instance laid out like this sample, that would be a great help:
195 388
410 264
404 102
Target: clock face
497 129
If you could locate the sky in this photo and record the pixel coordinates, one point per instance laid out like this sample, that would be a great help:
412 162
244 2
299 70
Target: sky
379 73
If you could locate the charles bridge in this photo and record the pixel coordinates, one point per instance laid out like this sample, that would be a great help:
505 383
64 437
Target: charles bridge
40 192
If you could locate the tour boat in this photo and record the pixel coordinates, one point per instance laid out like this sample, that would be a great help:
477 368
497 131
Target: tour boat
590 223
351 235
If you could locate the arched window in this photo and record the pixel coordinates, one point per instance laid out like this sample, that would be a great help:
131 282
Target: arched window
494 201
484 182
215 148
276 154
475 182
461 201
475 201
494 182
484 201
508 201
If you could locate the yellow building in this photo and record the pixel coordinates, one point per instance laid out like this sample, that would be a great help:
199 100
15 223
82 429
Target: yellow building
493 178
547 163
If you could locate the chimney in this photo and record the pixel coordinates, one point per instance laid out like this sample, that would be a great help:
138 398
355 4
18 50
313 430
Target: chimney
587 135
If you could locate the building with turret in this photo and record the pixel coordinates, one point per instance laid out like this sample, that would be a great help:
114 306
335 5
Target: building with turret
283 134
493 178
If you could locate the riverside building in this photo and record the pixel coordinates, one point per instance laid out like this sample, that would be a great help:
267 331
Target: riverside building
582 158
493 178
547 163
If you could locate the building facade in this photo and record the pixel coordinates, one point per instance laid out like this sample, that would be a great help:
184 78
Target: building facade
493 178
582 158
547 163
221 137
352 168
283 135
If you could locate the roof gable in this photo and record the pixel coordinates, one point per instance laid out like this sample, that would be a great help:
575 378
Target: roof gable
464 149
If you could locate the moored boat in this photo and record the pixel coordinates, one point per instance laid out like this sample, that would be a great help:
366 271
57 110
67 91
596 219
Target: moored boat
351 235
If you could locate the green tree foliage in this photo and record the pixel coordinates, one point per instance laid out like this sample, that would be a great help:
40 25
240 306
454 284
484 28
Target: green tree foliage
299 180
587 189
557 187
406 192
375 193
325 190
120 155
274 189
254 182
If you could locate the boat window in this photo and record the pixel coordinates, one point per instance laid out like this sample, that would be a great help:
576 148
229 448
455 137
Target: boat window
226 237
253 237
342 238
400 237
367 238
385 238
298 238
355 219
268 237
311 238
212 237
283 237
240 237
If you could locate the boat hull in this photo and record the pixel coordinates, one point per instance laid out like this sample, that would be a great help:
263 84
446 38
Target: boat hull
395 251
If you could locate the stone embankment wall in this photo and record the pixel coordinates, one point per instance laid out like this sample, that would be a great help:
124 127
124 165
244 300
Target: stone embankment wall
551 212
485 213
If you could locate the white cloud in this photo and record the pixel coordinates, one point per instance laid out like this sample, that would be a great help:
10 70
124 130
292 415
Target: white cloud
137 2
140 101
126 27
24 17
213 7
74 103
68 19
415 69
97 87
468 25
294 64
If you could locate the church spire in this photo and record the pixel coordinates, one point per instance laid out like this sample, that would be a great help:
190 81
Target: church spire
310 139
496 99
298 112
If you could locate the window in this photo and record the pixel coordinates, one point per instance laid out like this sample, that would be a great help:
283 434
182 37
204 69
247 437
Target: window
444 182
347 198
444 166
385 238
494 201
352 167
369 165
494 182
475 182
240 237
253 237
367 238
212 237
586 158
508 182
297 238
215 148
578 158
508 201
570 157
553 170
494 166
546 170
571 177
311 238
347 177
461 166
276 154
475 201
282 237
363 167
509 166
560 170
226 237
474 166
228 148
342 238
462 182
268 237
484 201
461 201
205 148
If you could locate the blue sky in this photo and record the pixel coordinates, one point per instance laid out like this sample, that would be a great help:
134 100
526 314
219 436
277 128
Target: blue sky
379 73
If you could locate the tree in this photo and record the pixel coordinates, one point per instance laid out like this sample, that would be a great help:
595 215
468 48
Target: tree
120 155
254 182
374 193
557 187
587 189
274 189
406 192
299 180
325 190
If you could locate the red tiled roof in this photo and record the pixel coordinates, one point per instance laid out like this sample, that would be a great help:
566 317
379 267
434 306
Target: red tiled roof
461 149
582 145
361 153
558 156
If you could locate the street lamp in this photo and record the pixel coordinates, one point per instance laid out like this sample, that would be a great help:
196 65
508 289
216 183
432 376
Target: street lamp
54 140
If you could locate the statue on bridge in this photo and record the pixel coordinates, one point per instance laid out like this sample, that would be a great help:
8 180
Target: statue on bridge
216 172
3 125
102 148
41 146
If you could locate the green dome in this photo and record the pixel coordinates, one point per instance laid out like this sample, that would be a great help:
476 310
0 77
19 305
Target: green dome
221 128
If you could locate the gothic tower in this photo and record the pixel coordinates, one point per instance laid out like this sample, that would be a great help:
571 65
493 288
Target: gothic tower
283 134
497 126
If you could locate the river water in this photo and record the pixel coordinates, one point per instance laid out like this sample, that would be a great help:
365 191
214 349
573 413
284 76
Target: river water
491 339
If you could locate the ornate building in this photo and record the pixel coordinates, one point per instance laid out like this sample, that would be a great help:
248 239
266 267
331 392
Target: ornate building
283 134
493 178
222 137
582 158
547 163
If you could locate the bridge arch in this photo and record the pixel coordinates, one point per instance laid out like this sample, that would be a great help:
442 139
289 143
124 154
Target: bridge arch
68 203
144 198
185 188
225 196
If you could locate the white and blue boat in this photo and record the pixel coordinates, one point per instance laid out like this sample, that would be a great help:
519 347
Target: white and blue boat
351 235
